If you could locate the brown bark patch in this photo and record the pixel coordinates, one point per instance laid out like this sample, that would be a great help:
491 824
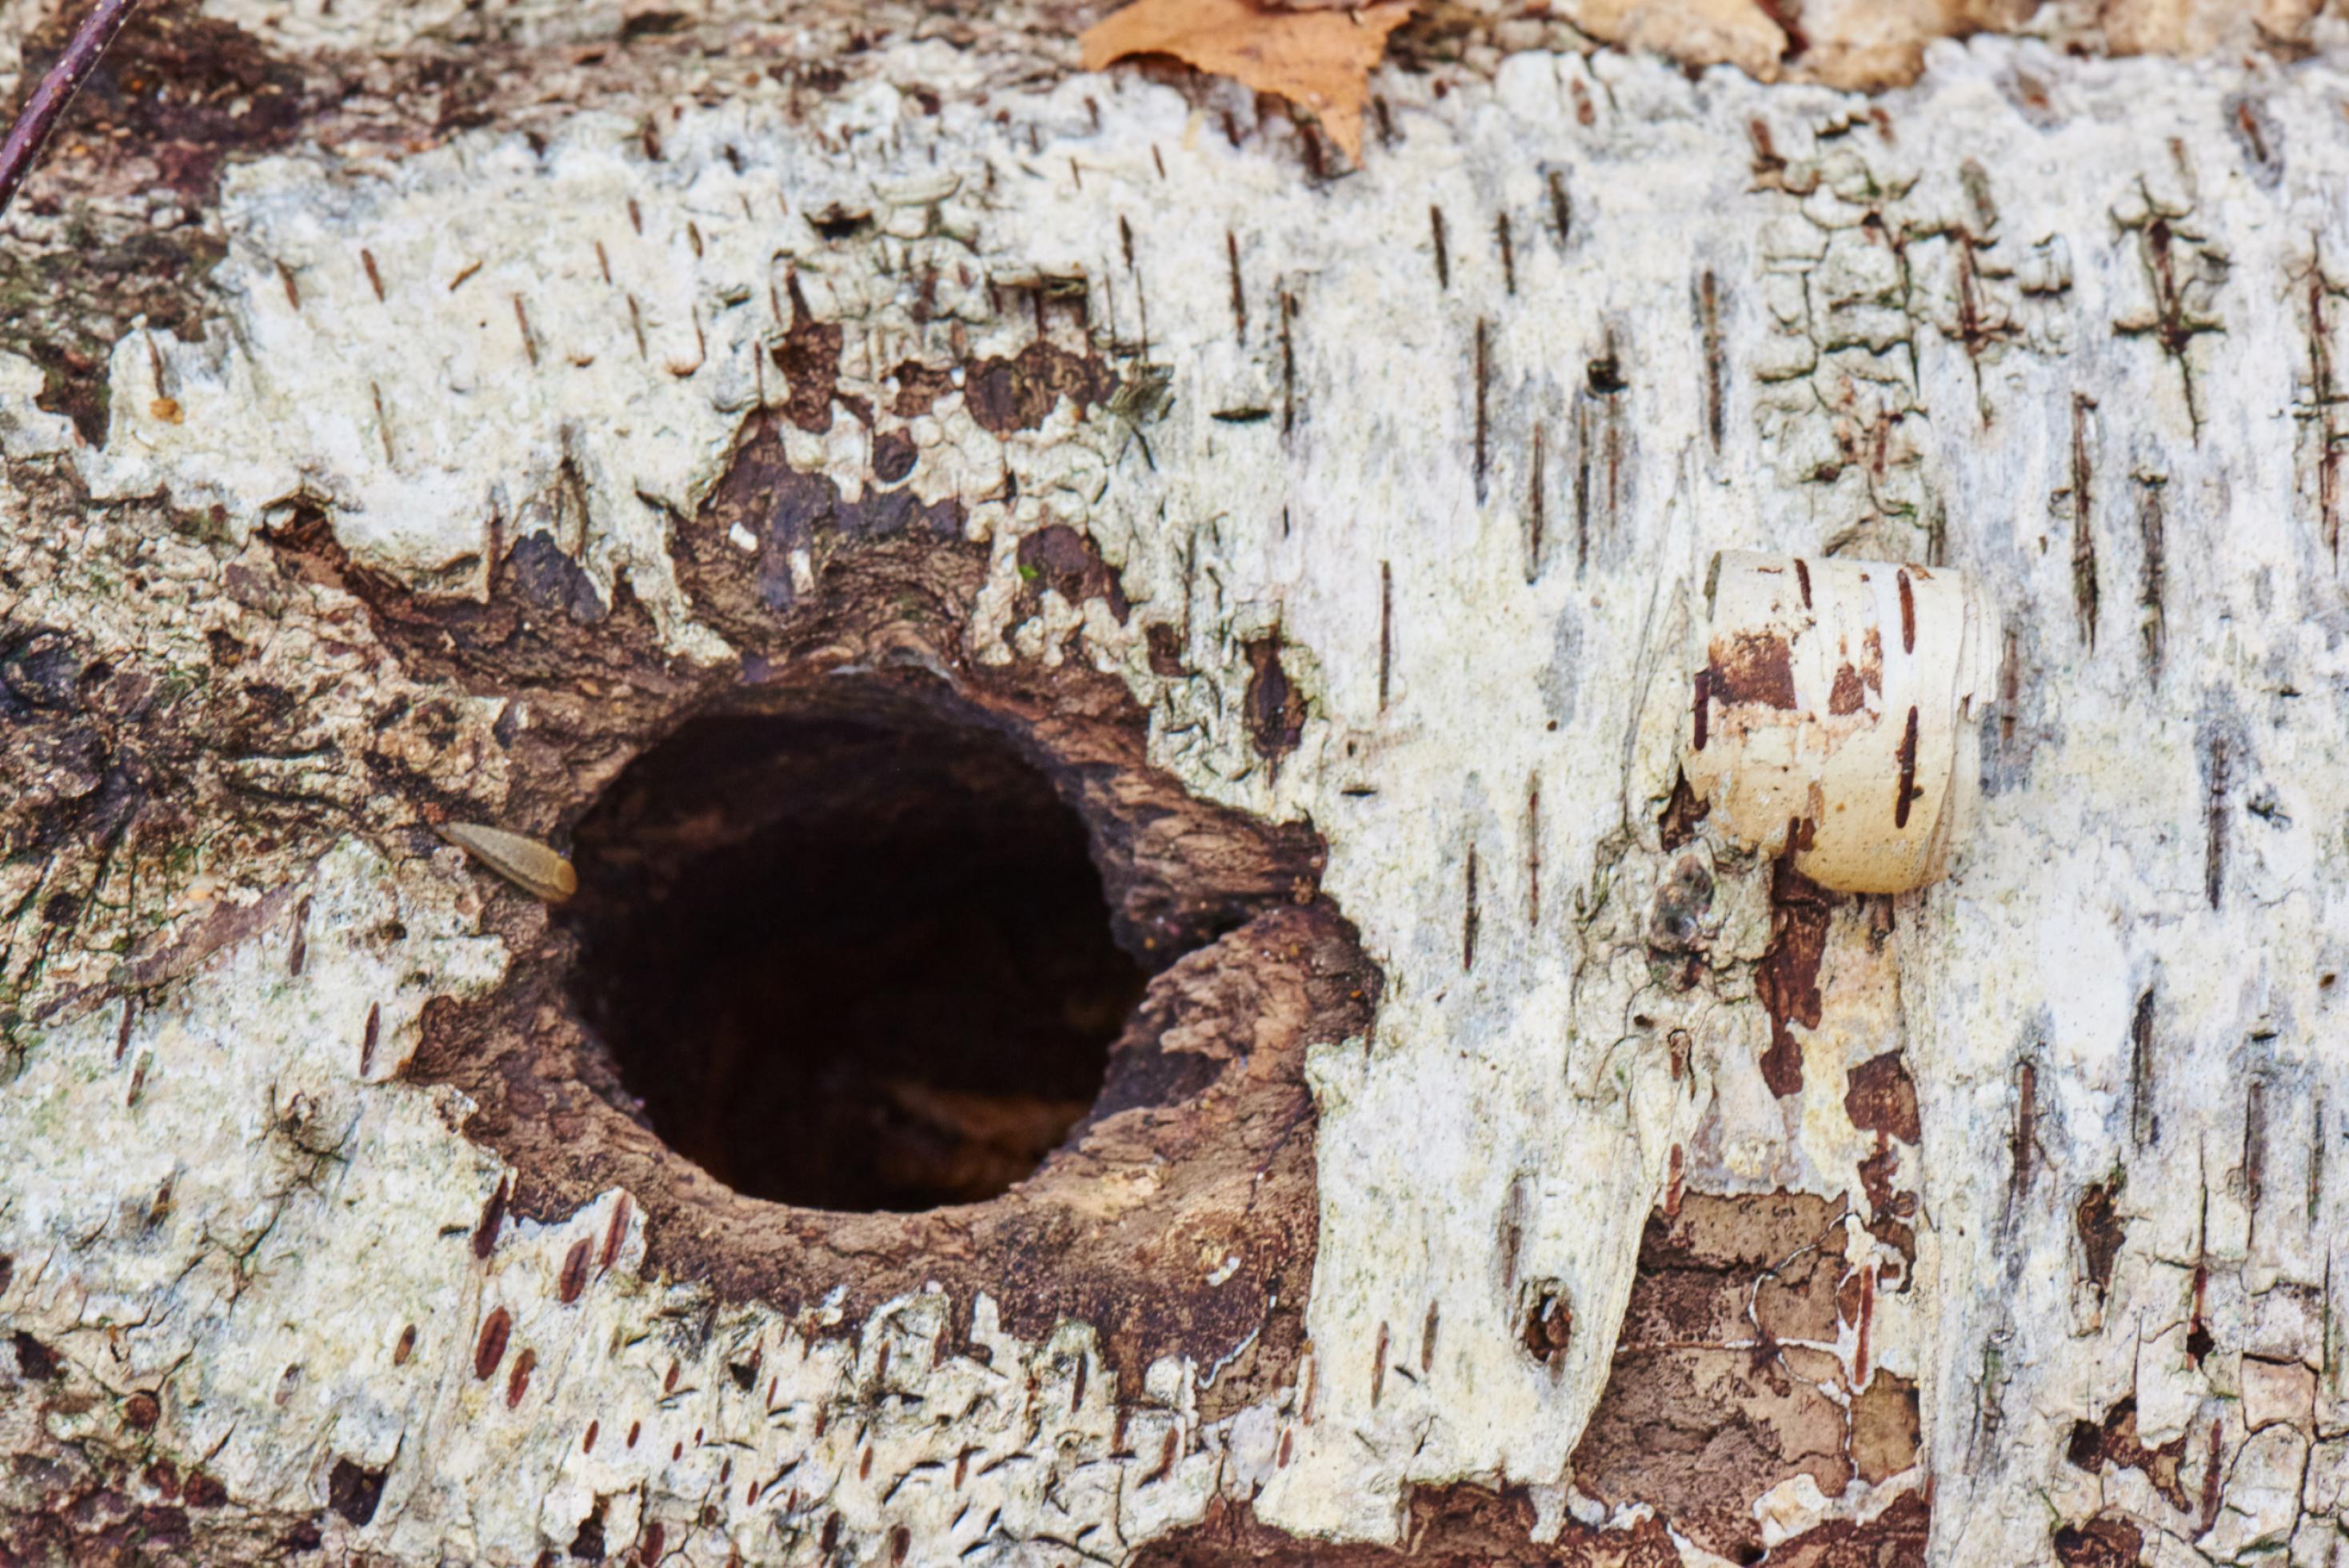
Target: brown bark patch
1701 1432
790 512
546 579
1886 1427
1060 558
1752 667
1880 1097
36 1362
1787 980
1683 812
1875 1180
1699 1269
1707 1405
2105 1542
1798 1298
1893 1539
1165 643
1274 707
353 1492
1019 393
894 456
587 1540
2101 1231
1848 695
2114 1441
1897 1234
809 357
919 386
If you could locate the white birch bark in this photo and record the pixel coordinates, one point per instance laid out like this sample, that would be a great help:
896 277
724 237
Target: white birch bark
1581 321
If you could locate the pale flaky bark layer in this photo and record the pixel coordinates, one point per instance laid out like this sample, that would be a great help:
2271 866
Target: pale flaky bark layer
416 414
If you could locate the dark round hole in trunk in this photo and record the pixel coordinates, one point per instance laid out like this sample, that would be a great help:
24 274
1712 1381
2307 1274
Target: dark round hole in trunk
850 956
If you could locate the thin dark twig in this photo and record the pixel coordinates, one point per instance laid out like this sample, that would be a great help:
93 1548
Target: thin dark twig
31 131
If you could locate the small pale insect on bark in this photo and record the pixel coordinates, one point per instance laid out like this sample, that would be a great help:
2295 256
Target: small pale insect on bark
529 864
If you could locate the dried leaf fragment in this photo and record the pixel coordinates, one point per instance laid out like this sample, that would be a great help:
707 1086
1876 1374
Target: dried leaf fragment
1319 59
522 861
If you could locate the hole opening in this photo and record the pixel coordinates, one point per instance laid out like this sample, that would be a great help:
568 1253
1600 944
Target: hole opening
853 955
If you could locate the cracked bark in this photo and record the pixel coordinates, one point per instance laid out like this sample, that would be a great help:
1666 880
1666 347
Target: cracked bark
643 429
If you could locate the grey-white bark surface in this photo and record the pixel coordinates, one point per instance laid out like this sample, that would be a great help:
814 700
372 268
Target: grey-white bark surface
1455 434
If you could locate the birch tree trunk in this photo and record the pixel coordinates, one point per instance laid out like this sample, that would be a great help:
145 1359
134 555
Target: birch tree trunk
852 482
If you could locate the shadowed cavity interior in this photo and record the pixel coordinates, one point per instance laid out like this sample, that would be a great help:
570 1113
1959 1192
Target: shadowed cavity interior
853 957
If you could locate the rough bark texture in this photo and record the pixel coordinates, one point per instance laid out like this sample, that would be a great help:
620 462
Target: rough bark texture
680 433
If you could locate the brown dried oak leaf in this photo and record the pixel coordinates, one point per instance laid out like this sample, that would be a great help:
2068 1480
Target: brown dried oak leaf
1320 60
